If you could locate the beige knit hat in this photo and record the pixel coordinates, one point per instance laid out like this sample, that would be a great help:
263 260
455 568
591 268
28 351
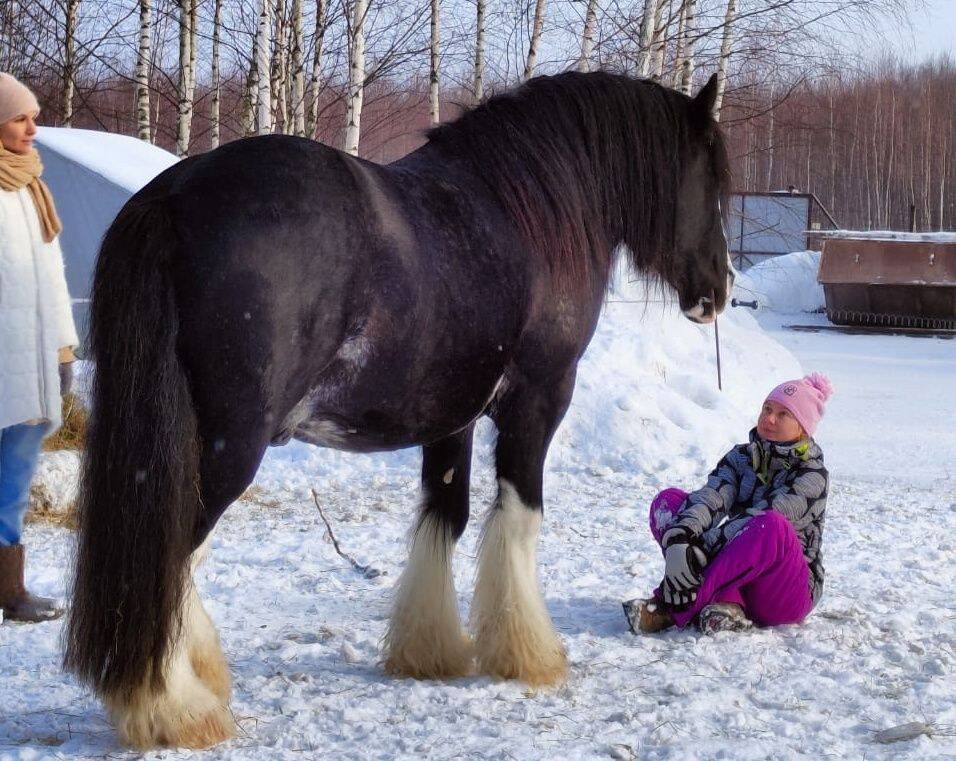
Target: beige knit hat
15 99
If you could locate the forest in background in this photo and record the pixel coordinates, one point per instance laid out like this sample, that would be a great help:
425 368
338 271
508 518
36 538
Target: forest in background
804 105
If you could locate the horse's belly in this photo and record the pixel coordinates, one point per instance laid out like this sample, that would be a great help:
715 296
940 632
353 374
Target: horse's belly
338 419
325 432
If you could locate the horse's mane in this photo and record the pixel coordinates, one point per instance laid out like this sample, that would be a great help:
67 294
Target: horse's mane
581 161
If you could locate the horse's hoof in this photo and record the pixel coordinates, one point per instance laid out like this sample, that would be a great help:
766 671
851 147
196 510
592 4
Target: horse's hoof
536 670
187 716
431 660
182 730
208 730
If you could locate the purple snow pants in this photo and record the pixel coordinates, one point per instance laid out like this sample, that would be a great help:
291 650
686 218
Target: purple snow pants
761 569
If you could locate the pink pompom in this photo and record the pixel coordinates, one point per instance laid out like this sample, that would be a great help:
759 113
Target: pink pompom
821 383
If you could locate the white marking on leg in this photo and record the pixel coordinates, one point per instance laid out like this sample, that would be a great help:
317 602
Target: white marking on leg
190 710
424 638
449 476
514 635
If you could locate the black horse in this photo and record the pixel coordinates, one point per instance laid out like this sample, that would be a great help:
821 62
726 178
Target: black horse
278 288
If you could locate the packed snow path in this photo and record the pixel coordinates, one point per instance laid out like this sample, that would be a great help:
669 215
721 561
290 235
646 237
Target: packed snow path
300 628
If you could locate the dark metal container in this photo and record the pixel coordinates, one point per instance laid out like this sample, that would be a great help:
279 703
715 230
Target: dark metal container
891 282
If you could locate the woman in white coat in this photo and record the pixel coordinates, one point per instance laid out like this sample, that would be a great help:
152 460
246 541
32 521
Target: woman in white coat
37 336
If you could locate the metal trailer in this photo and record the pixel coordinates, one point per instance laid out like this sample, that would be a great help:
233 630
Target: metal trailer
906 282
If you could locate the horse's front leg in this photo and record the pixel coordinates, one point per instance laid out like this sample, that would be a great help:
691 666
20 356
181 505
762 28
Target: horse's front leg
424 638
514 635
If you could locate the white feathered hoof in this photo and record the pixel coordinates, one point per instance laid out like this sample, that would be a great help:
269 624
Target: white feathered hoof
514 635
424 638
186 714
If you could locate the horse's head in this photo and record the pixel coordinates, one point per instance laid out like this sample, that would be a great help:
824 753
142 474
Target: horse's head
699 265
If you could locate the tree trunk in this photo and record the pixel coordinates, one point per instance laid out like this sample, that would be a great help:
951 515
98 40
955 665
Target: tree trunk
433 104
250 95
649 22
277 74
690 39
315 85
193 29
529 64
264 69
142 71
587 38
679 49
69 62
353 122
184 116
478 80
659 44
298 70
723 65
770 140
215 84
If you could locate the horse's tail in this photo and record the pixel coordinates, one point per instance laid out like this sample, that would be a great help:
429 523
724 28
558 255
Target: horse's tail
138 502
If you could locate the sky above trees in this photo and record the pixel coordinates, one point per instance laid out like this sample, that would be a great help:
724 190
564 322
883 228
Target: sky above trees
930 32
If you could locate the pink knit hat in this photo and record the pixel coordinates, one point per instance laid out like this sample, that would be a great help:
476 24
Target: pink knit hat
15 99
805 398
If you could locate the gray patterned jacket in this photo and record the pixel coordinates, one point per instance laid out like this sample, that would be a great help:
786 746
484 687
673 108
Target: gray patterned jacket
753 478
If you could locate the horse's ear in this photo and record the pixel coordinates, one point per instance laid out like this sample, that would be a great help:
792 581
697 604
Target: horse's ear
702 104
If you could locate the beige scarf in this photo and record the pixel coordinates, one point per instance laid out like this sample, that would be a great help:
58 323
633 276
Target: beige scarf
23 171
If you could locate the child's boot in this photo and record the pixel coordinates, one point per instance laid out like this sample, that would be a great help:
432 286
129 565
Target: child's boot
647 616
723 617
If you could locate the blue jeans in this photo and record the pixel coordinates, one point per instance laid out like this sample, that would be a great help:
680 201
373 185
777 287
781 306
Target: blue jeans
19 452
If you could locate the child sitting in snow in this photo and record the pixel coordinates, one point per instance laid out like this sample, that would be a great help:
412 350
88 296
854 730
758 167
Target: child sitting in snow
745 548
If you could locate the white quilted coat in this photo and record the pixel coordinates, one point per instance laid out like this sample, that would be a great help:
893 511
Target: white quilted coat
35 315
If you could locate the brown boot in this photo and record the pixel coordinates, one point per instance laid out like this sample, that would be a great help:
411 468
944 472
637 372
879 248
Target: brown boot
647 616
723 617
16 603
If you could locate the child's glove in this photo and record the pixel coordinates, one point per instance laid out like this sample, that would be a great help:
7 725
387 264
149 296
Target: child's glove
684 561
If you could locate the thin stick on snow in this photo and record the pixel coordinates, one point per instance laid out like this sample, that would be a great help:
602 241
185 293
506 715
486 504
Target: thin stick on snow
366 570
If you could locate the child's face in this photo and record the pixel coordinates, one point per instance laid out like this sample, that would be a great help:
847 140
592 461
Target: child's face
777 423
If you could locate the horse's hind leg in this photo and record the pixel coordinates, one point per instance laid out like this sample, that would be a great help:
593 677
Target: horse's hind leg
514 635
191 709
204 647
424 638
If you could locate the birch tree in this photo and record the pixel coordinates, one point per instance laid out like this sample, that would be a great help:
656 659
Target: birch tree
250 98
186 56
681 40
215 84
539 8
477 87
587 36
649 21
690 40
724 63
298 71
264 69
353 117
69 62
315 83
433 104
659 43
143 56
277 73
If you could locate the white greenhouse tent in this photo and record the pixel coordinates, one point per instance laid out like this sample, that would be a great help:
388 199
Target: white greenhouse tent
91 175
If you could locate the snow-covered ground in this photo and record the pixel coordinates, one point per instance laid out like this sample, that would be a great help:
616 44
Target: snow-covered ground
301 629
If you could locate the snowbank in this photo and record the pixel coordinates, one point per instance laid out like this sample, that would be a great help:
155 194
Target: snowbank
646 400
786 284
